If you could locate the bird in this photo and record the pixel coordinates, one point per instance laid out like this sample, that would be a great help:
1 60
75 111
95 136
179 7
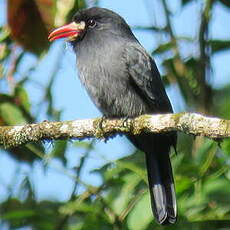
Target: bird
123 81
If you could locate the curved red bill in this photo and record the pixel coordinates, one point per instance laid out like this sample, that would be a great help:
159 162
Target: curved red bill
70 31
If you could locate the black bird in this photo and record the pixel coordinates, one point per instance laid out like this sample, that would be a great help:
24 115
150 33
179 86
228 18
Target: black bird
123 81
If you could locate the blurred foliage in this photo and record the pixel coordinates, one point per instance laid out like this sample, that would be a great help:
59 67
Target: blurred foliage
201 167
24 16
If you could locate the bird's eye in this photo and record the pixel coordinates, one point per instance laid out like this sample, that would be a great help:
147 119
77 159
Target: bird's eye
91 23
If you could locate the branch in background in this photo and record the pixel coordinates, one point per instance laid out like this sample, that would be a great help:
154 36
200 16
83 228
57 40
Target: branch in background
190 123
151 28
206 96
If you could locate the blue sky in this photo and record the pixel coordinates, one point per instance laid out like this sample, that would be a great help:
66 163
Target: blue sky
71 97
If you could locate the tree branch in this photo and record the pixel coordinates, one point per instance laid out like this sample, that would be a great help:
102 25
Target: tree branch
190 123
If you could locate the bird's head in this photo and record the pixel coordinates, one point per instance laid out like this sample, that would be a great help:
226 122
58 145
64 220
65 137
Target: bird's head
92 22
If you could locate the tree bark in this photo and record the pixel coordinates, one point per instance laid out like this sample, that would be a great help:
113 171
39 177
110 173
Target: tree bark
189 123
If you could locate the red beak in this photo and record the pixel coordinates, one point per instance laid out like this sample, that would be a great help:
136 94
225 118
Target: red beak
70 31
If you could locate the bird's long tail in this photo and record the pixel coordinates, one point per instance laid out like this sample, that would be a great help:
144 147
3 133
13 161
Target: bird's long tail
161 186
160 176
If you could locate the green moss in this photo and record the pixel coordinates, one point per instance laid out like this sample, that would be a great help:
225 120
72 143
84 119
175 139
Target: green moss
141 124
177 116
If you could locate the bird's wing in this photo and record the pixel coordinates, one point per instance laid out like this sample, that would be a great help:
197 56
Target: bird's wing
145 77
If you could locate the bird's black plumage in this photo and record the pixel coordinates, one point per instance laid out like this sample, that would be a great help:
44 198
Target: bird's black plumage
123 81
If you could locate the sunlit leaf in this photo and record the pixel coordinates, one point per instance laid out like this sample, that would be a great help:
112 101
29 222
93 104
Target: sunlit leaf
75 206
66 10
11 114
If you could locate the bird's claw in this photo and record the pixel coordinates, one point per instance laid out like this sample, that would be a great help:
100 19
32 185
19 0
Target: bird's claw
125 121
102 120
100 130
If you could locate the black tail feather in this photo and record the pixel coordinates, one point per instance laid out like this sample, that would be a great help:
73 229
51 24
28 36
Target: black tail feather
160 176
161 186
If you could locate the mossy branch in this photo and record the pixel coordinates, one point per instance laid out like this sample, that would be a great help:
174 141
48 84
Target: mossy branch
190 123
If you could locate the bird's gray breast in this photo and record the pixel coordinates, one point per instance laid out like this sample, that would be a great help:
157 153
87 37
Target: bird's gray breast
108 85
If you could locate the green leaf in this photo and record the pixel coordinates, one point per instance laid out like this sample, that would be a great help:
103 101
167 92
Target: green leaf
18 214
219 45
141 215
205 155
76 206
66 10
222 102
11 114
4 34
134 168
218 190
4 52
183 183
122 199
225 146
163 48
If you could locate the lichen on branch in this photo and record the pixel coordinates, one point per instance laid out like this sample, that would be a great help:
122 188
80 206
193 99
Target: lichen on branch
189 123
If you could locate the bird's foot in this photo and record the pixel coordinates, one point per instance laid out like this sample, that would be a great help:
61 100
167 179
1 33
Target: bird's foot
101 126
125 122
102 120
100 131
